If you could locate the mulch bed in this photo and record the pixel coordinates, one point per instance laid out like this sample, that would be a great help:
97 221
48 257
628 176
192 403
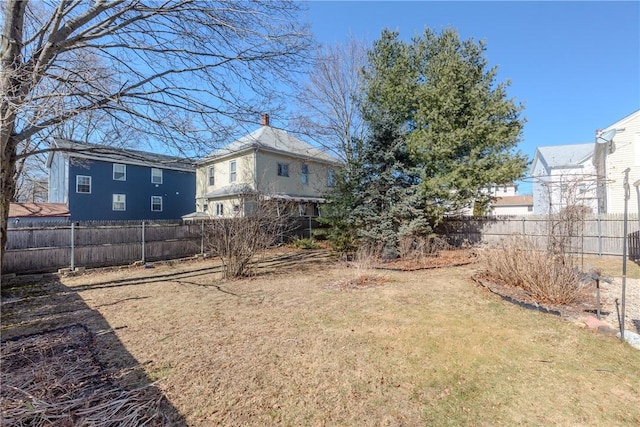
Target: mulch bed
442 259
518 296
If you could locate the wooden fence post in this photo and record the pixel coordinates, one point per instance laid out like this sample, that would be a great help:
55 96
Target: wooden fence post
72 266
143 257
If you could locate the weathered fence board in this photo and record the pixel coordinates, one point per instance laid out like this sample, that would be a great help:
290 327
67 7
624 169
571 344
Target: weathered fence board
595 235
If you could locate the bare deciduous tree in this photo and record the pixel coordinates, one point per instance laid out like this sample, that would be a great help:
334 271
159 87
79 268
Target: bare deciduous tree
177 72
258 225
330 99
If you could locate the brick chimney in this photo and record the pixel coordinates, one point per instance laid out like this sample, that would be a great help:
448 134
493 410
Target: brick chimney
265 119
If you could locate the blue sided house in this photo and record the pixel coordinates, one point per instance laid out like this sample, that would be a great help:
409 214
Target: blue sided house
104 183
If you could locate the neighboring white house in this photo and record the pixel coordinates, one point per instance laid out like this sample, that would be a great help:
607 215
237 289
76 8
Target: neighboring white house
269 161
506 201
612 157
564 175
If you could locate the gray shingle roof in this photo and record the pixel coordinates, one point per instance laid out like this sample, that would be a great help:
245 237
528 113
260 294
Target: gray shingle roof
557 156
273 139
107 153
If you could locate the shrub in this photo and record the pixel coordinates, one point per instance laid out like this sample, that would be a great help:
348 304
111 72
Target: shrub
544 276
304 243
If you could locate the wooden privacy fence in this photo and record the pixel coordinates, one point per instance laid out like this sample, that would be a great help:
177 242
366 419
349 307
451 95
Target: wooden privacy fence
37 248
594 235
94 244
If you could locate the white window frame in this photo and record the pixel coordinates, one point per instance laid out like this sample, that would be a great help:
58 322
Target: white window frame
152 204
211 176
219 209
283 169
78 177
119 199
123 172
156 173
233 171
304 174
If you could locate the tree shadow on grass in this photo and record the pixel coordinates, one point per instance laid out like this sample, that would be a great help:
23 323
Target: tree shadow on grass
62 364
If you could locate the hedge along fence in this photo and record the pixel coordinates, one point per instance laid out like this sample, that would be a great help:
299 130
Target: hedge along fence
46 247
594 235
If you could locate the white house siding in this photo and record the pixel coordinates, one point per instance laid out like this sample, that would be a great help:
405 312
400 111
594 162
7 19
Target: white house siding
625 154
58 179
510 210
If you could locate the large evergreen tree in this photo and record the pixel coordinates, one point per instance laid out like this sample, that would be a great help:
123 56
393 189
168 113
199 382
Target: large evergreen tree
442 129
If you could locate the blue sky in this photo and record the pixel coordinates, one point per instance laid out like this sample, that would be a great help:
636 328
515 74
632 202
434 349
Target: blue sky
574 65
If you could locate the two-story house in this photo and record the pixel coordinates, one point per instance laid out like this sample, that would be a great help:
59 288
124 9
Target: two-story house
268 161
617 148
563 176
104 183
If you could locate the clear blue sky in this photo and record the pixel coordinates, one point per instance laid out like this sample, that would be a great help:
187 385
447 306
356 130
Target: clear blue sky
574 65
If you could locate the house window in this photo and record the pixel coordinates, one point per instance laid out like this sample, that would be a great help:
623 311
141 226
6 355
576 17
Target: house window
119 202
205 207
331 179
582 188
304 171
156 176
119 172
156 203
529 208
232 171
219 209
283 169
236 208
83 184
211 174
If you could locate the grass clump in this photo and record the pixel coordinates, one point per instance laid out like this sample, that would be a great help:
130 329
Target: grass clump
547 277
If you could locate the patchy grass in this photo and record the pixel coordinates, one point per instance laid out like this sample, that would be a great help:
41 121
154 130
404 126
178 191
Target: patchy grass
420 348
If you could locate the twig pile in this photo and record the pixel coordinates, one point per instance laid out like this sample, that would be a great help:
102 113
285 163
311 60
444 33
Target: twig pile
54 379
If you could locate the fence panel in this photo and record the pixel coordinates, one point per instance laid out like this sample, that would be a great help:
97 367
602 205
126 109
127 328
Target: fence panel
43 249
595 235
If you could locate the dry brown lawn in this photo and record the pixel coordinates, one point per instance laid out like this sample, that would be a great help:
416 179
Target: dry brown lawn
292 346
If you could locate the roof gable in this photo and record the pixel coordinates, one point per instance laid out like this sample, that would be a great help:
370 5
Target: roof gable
623 121
565 156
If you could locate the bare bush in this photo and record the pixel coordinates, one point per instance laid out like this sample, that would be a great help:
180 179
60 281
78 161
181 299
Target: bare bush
236 240
416 247
546 277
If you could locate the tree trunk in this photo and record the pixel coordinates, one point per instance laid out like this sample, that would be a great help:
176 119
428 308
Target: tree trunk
7 188
10 87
